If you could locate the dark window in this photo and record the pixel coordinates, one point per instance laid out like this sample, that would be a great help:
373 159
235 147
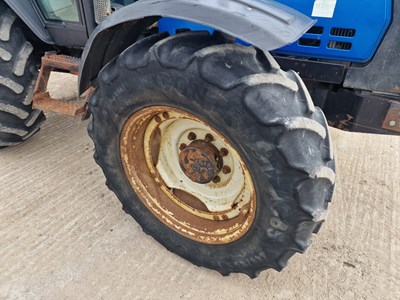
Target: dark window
60 10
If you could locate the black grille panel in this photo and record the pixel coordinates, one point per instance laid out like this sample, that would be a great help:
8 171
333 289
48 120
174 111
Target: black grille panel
347 32
316 30
339 45
309 42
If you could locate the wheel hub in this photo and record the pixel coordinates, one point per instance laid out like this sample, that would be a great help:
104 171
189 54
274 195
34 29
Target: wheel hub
200 161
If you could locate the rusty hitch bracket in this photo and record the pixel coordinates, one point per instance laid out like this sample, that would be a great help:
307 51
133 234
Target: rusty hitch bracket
42 99
392 119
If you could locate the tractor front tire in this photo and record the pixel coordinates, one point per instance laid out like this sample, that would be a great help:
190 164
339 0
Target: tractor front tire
183 97
18 73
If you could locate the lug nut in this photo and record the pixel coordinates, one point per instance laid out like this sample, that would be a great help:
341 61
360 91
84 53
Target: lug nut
209 138
192 136
226 170
182 146
165 115
223 152
158 119
216 179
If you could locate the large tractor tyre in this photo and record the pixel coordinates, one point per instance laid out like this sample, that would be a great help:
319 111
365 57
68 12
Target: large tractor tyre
214 150
18 73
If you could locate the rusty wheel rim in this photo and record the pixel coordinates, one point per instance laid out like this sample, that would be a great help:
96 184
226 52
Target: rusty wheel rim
188 175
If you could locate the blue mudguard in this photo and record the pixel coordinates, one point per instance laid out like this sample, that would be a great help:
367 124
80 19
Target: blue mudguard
266 24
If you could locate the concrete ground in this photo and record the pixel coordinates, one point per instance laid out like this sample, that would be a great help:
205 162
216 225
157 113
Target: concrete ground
63 234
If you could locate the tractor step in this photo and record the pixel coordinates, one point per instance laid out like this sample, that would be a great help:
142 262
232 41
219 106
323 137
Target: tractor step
41 99
44 102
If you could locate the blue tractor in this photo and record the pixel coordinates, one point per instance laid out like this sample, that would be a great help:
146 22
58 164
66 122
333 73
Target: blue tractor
210 118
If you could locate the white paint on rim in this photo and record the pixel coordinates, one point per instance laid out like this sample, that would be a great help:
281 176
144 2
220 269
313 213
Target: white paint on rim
217 197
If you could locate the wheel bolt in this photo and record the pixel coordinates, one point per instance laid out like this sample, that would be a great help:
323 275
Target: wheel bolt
165 115
223 152
226 170
209 138
182 146
192 136
216 179
158 119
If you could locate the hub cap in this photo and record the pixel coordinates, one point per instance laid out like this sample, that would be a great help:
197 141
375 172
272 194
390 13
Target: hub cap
200 161
188 175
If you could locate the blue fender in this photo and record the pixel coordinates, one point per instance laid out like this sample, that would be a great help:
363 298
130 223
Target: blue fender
266 24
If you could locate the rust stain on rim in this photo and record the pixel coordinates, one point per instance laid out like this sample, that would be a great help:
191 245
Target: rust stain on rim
177 209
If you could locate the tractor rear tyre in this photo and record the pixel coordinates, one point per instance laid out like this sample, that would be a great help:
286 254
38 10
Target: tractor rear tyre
214 150
18 73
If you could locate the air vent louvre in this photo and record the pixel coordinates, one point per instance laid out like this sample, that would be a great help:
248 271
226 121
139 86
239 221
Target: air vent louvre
102 9
339 45
347 32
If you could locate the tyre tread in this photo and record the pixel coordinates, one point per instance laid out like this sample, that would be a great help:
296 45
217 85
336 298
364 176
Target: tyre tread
18 71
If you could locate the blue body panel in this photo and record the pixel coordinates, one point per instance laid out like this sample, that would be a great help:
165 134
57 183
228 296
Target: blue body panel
352 34
368 20
172 25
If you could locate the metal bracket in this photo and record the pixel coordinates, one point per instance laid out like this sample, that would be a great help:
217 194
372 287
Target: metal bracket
392 119
41 99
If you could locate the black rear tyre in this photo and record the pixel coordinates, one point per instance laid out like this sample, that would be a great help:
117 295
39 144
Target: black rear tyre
18 73
266 114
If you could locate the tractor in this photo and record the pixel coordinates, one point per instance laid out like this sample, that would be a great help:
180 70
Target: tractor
209 118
